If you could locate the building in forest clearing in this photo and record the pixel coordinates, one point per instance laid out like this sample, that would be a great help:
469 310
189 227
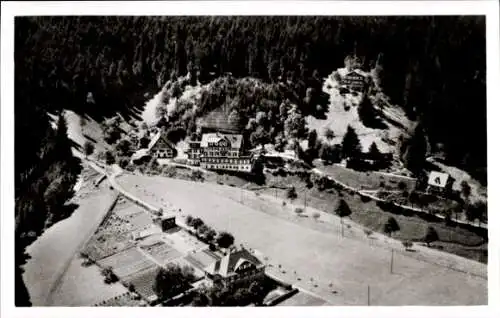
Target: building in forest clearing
439 182
354 81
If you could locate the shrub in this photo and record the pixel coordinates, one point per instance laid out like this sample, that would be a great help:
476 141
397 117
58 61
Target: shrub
109 276
197 175
225 239
368 232
402 186
407 244
391 226
431 235
316 215
365 198
88 148
299 211
291 193
189 220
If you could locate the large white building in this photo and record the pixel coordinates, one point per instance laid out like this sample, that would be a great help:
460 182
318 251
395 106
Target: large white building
217 151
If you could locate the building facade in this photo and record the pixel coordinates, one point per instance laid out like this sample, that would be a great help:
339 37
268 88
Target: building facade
354 81
160 147
218 151
237 267
439 182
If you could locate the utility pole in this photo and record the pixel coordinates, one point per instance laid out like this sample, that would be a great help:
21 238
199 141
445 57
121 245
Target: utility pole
368 296
342 225
392 259
305 200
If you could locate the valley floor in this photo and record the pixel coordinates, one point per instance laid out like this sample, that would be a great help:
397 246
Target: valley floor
318 258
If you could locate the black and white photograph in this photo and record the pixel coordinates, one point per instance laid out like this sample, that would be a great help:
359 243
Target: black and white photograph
235 160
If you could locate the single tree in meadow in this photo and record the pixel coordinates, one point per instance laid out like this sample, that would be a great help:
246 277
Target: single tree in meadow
431 236
391 226
342 210
88 148
351 147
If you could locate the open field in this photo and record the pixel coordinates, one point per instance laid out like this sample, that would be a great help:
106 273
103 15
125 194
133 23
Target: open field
84 286
370 180
348 264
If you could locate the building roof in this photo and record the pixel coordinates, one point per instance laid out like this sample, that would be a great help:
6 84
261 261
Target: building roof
355 73
159 136
232 261
146 232
141 153
234 139
438 179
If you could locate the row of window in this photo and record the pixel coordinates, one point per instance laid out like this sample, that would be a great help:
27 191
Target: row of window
226 160
228 167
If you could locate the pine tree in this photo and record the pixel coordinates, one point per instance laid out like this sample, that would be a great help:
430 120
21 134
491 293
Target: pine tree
431 235
366 112
391 226
351 146
373 151
311 139
415 150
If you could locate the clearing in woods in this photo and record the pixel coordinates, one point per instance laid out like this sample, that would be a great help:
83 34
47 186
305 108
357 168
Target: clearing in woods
323 260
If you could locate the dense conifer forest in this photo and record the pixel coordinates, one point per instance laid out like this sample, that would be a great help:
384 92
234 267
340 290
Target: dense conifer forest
433 67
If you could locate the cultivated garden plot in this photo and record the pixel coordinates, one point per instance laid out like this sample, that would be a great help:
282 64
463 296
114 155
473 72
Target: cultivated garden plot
127 262
161 252
348 264
201 259
143 281
111 237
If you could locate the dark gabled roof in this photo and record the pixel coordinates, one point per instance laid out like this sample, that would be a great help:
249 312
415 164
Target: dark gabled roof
159 136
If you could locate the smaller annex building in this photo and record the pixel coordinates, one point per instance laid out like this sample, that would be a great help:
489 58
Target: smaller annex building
159 148
236 267
439 182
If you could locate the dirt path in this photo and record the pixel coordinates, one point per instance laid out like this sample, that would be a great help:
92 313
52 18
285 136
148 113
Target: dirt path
52 252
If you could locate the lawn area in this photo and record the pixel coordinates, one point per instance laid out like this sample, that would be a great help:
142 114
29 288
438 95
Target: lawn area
369 215
84 286
143 281
370 180
319 255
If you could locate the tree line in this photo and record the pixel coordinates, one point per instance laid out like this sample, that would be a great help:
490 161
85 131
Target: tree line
434 67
